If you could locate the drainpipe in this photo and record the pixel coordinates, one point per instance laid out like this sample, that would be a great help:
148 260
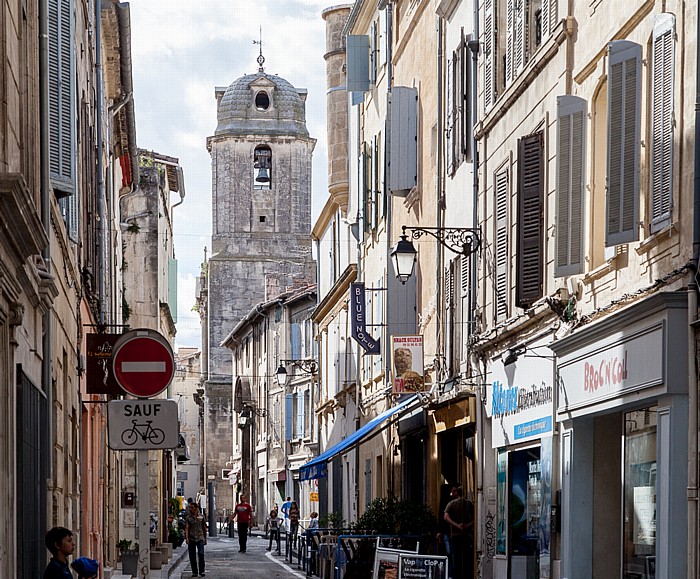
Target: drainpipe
692 492
45 185
358 355
101 213
440 205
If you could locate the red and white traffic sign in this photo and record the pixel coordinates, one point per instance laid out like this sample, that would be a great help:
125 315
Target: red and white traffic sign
143 363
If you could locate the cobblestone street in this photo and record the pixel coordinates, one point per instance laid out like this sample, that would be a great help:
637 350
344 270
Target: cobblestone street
223 561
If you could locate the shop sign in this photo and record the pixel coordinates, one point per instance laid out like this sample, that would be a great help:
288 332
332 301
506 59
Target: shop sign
627 365
407 361
520 398
358 329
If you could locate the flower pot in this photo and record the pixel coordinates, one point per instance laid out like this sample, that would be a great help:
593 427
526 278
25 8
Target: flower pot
130 562
156 559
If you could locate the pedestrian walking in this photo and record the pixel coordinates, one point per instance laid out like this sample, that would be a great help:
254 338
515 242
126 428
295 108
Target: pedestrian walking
286 505
459 514
243 512
196 537
59 541
273 525
293 524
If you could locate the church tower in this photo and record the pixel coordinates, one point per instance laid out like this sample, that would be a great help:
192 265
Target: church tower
261 204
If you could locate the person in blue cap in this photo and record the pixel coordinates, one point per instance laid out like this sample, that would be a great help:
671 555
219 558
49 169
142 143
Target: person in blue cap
59 541
85 567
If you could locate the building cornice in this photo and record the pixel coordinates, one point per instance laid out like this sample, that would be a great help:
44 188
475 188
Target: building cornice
336 293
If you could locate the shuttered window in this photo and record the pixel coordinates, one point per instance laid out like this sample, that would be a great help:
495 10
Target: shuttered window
571 146
288 416
530 219
624 73
489 55
357 62
450 120
172 287
450 322
403 139
373 33
501 245
61 98
467 315
662 81
516 38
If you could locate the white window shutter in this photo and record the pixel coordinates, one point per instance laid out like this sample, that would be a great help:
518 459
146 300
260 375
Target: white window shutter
382 40
510 40
450 128
624 84
373 32
662 83
501 245
489 56
357 62
549 17
61 97
571 151
520 36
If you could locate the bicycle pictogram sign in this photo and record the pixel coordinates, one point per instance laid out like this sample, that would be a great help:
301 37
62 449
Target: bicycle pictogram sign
142 424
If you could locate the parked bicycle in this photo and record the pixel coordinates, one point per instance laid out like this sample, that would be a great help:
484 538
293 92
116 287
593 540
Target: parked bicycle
144 431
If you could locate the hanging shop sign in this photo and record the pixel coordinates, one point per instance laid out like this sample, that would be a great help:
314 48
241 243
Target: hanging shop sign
98 364
407 362
358 319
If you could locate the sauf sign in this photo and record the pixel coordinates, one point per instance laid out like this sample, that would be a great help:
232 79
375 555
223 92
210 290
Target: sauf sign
142 424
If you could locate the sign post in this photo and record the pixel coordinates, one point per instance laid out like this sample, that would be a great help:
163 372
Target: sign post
143 365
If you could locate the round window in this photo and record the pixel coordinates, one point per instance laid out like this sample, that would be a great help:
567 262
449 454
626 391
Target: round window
262 101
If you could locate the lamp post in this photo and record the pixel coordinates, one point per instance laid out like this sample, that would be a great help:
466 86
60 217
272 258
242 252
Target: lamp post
462 240
306 366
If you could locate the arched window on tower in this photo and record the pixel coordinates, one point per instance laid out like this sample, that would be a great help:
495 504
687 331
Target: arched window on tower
262 167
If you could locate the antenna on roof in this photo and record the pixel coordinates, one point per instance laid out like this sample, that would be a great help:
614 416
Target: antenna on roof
261 58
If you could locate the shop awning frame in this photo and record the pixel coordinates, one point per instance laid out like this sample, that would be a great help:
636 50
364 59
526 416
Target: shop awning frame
316 468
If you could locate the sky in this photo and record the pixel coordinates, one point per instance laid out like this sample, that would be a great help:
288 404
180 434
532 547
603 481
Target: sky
181 50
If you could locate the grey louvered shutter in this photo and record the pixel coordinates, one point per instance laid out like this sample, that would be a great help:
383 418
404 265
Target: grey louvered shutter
530 264
373 54
501 246
662 86
61 98
489 56
467 316
376 194
357 62
403 139
571 151
288 416
450 128
624 85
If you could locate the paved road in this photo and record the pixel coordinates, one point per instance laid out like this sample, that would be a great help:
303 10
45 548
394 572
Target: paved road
223 561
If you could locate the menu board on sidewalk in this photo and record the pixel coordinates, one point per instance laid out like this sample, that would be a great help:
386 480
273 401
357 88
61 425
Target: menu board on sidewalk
422 566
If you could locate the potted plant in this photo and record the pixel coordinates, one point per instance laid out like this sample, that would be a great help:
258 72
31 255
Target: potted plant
129 556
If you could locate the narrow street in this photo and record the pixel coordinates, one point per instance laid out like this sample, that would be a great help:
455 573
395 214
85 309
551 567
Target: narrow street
223 561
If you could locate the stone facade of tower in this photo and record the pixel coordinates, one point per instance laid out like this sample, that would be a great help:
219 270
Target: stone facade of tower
260 237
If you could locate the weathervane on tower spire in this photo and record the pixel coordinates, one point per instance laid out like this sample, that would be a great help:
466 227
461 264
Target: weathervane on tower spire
261 58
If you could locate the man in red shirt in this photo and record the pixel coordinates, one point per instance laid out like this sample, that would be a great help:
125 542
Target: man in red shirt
243 513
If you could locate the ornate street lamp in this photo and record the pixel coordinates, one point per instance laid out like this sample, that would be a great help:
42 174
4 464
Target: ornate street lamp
306 366
403 257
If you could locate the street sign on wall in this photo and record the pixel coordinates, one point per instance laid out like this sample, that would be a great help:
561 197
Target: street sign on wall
142 424
143 363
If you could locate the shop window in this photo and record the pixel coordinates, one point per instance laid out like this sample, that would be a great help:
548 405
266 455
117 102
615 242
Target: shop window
639 556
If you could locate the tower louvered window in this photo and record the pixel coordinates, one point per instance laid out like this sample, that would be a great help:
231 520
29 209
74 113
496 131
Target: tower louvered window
530 219
662 83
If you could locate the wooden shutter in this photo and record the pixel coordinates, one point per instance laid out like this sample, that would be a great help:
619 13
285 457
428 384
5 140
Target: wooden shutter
501 245
519 36
662 86
375 182
467 316
549 18
510 40
465 101
571 150
288 416
530 224
373 53
403 138
300 415
61 98
450 128
357 62
449 315
624 74
489 56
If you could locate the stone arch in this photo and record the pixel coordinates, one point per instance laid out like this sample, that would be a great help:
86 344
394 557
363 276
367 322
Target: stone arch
242 395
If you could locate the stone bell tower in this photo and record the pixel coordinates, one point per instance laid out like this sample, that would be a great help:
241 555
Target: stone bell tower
261 203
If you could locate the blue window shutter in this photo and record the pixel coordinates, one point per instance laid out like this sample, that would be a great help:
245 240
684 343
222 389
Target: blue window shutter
62 115
662 133
296 341
288 416
571 151
624 88
357 63
403 140
172 287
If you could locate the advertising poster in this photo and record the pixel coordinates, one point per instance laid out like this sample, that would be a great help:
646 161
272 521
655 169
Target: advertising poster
423 567
407 362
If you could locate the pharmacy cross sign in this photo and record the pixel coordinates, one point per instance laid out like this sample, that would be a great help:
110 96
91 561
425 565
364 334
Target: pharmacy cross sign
143 363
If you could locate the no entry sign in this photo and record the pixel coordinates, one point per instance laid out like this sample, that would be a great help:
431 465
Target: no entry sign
143 363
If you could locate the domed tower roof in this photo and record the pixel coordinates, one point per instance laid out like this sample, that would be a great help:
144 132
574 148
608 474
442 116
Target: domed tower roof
262 104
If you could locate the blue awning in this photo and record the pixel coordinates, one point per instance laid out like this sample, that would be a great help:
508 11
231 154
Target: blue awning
316 468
